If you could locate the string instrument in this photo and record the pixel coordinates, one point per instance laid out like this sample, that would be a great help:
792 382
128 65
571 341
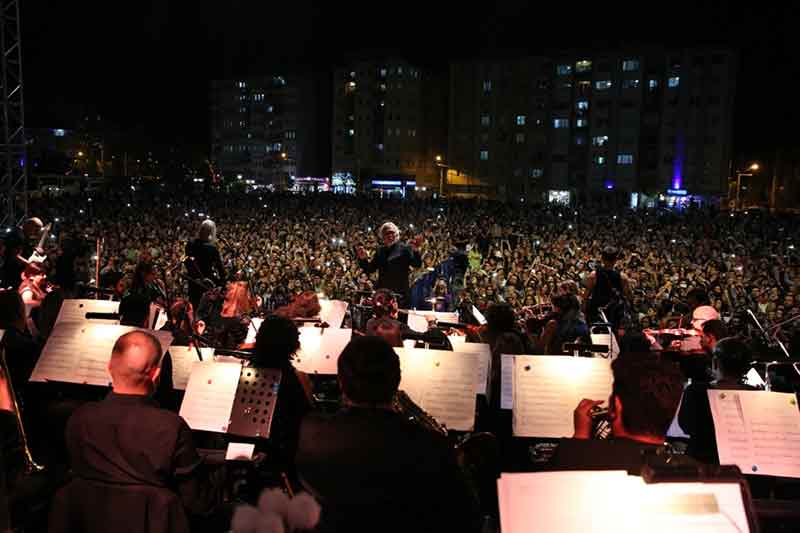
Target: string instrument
37 257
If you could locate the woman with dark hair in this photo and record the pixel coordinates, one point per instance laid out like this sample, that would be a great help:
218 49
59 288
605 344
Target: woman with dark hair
567 325
277 341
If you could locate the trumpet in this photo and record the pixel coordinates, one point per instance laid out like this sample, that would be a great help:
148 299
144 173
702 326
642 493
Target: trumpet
31 467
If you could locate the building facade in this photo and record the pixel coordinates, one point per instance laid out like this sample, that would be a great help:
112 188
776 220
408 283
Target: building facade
265 129
388 125
649 122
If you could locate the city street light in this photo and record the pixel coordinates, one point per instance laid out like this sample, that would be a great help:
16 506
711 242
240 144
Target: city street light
442 169
739 173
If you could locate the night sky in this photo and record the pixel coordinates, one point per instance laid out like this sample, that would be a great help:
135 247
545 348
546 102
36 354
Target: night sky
145 65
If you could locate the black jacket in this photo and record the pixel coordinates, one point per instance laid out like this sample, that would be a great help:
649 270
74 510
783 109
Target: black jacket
128 440
393 264
372 470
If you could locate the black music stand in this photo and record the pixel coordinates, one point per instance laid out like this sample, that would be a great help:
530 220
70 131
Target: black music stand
254 405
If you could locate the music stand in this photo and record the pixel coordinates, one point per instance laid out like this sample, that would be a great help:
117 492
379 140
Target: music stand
254 405
231 398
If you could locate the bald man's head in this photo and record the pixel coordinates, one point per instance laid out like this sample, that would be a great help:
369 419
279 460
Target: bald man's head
32 227
135 362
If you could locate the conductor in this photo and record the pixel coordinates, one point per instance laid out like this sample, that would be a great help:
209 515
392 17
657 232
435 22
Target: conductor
393 261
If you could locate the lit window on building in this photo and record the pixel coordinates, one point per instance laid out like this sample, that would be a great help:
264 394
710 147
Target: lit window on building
536 173
600 140
487 86
242 123
379 147
519 138
559 123
652 84
673 82
58 133
602 85
624 159
630 65
382 71
351 132
583 65
563 70
520 120
486 120
397 132
582 105
400 70
242 85
350 87
484 155
600 160
630 84
581 123
580 140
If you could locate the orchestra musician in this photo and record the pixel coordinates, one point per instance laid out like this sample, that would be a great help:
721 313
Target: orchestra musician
226 315
644 398
203 262
127 440
33 289
18 247
369 466
393 261
145 289
564 325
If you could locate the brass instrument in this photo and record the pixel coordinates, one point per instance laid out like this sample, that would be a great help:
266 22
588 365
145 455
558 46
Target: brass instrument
406 407
31 466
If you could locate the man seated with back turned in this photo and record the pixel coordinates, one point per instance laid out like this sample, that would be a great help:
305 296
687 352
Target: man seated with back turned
126 439
372 469
643 402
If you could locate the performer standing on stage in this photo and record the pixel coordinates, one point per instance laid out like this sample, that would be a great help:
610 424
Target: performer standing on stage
18 248
203 261
393 261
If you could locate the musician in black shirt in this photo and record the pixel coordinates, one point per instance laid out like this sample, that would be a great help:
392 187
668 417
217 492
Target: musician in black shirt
19 243
127 440
370 467
642 405
393 261
203 262
605 286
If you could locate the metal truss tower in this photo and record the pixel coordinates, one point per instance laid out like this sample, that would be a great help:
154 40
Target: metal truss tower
13 160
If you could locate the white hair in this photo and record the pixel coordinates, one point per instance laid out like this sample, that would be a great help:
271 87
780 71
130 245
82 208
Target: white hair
208 231
389 226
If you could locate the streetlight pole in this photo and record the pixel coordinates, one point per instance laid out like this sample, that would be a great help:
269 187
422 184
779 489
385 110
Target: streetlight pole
739 174
442 170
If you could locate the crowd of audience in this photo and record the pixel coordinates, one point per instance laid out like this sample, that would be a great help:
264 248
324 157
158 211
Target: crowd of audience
518 256
286 244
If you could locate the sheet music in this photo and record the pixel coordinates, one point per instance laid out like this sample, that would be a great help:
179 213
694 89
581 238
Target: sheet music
74 310
413 369
209 396
239 451
252 330
485 353
548 388
758 431
449 394
418 323
333 312
612 501
418 320
183 357
79 352
442 383
320 349
506 381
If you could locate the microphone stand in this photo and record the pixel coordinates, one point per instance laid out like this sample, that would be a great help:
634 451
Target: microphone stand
768 337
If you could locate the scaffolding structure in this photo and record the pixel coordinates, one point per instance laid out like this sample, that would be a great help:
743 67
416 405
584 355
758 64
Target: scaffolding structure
13 160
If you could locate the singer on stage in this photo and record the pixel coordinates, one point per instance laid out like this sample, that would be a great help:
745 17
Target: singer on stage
203 261
393 261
